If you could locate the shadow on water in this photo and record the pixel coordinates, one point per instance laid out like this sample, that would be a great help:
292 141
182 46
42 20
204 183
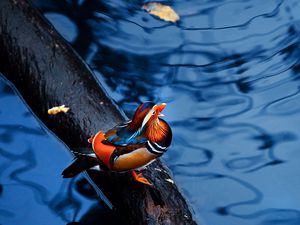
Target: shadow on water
230 73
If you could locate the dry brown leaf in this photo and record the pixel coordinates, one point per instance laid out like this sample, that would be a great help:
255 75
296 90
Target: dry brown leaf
58 109
164 12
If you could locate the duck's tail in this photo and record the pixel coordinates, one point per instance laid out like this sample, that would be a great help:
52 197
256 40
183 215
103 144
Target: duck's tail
83 161
80 164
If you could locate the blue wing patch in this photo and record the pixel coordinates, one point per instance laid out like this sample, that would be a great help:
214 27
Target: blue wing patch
122 136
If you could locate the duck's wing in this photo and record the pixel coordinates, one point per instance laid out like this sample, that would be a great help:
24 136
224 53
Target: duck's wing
80 164
121 135
123 143
121 150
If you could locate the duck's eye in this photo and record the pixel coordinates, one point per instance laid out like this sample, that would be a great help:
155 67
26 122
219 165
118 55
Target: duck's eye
153 112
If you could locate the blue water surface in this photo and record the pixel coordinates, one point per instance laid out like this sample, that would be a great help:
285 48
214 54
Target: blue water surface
230 74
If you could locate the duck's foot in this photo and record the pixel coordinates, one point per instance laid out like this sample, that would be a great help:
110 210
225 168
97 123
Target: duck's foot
140 178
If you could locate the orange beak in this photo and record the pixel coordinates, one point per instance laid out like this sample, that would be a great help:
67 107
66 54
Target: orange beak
160 108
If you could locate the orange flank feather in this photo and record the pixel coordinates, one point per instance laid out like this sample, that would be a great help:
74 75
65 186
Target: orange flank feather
102 151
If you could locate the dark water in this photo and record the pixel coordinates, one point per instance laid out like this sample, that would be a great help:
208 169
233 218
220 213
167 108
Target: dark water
230 73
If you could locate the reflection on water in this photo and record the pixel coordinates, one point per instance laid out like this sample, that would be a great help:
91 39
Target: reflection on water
230 73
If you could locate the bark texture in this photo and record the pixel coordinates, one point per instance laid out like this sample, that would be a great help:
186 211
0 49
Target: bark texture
47 72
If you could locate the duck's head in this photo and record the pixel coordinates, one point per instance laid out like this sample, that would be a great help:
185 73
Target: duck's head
147 112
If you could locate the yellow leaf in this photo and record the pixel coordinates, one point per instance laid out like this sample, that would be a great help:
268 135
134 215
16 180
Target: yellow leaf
58 109
164 12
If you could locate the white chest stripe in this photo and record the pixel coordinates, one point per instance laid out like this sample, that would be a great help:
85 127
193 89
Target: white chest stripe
153 149
160 147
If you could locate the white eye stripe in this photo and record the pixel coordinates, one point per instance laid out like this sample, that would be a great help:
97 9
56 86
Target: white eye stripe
147 117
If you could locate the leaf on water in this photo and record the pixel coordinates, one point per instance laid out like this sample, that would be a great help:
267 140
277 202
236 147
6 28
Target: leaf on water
58 109
164 12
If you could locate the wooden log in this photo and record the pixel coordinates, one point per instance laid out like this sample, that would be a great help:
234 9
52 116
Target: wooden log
47 72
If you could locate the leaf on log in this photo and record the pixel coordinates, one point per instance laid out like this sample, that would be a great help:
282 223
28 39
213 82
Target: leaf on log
58 109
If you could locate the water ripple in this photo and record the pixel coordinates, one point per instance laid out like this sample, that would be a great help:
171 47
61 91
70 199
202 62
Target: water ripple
229 71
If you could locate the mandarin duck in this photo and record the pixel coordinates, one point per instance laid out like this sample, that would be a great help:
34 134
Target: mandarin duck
129 146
